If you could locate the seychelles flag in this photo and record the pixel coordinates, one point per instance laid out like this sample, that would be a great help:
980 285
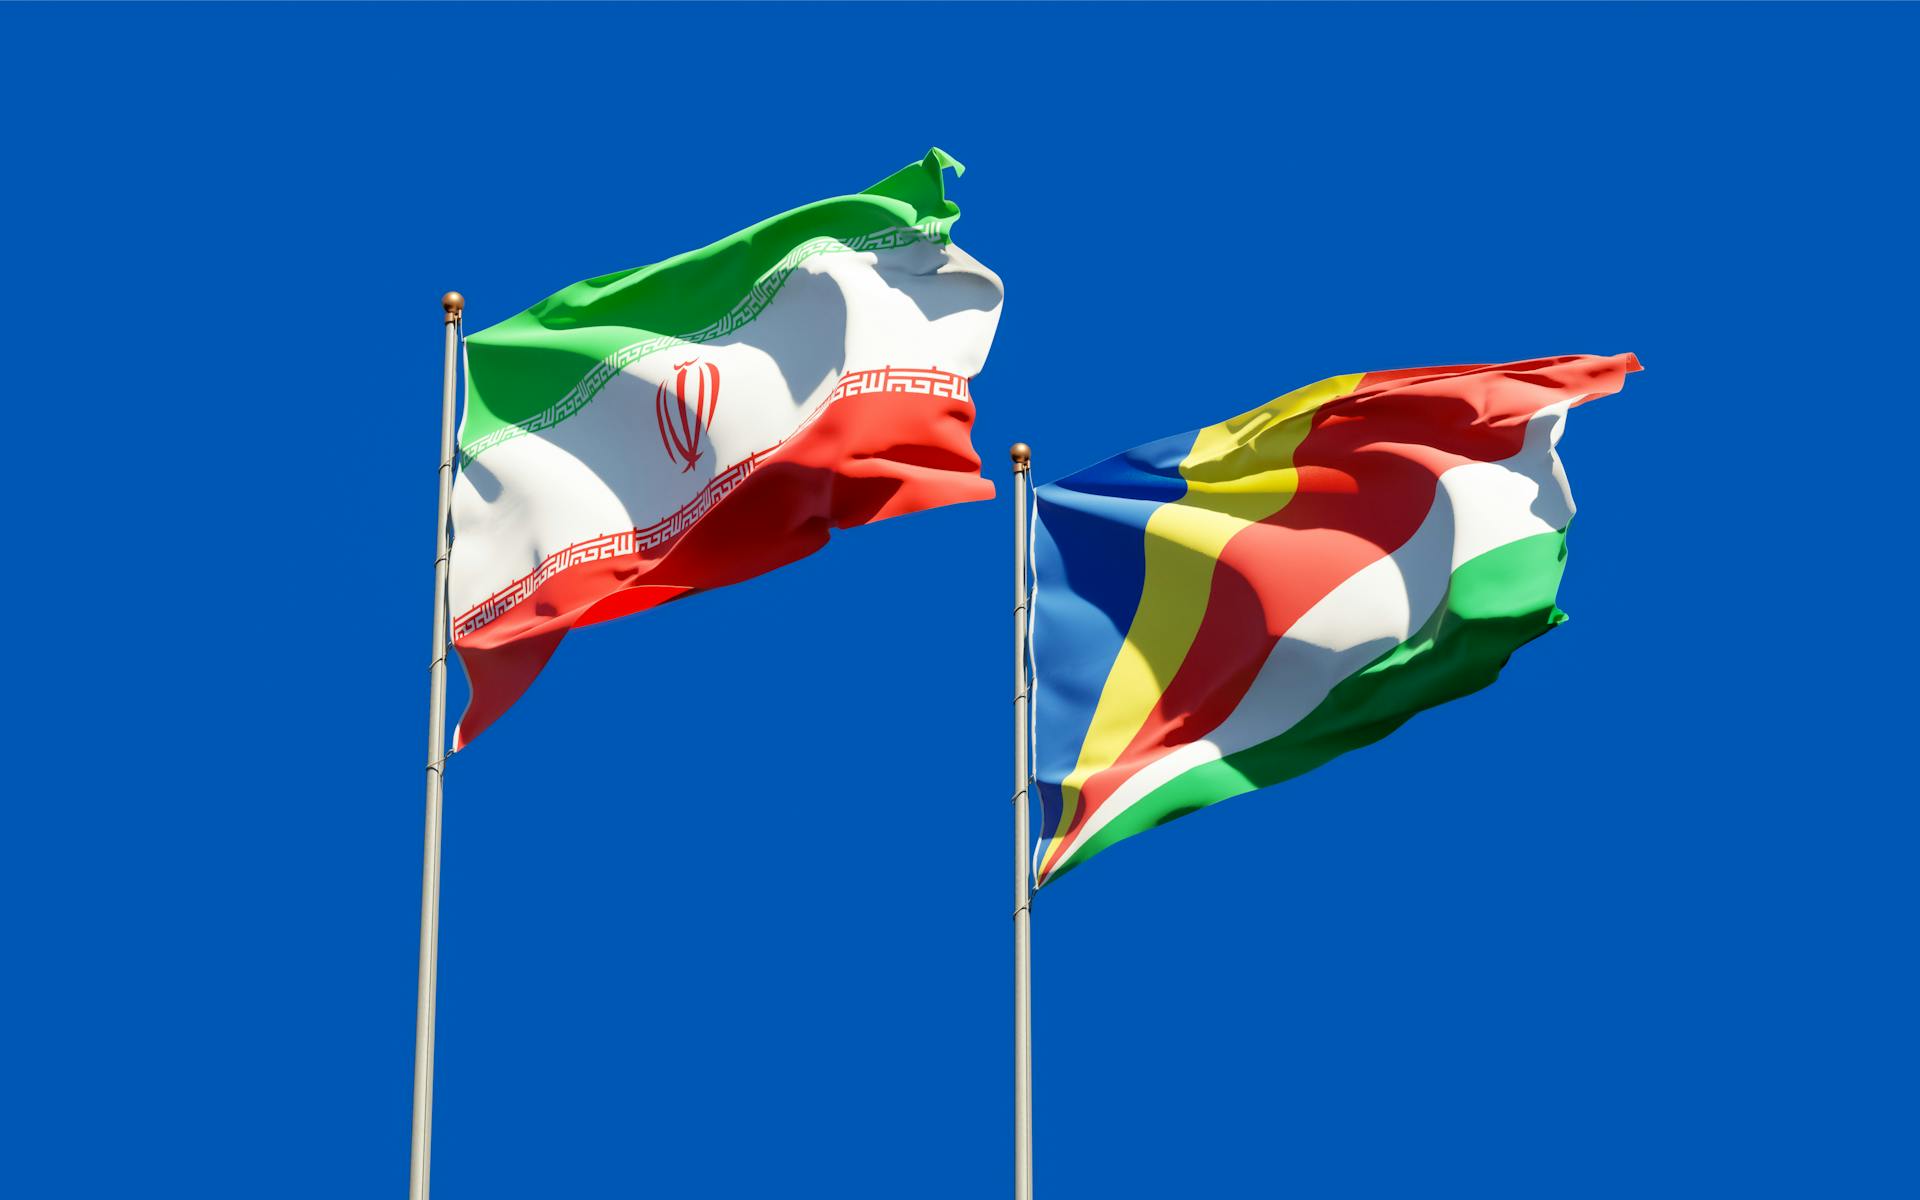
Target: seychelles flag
1226 609
655 432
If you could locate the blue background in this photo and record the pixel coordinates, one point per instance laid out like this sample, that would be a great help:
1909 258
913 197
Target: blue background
726 897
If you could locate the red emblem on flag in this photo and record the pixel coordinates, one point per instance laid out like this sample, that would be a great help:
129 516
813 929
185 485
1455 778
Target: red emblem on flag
685 405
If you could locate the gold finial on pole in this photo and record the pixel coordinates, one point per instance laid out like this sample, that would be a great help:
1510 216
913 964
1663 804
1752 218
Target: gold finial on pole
453 302
1022 455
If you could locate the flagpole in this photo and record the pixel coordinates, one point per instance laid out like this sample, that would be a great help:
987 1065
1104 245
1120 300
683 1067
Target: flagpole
1022 892
452 302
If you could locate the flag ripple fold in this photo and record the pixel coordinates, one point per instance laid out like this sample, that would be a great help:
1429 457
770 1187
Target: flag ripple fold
1227 609
649 434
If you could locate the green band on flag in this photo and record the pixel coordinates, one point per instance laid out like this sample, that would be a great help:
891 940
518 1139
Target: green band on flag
547 363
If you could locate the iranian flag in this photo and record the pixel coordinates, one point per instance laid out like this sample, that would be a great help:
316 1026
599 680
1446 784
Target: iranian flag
655 432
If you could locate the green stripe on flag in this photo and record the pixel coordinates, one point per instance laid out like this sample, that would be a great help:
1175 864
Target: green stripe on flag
534 370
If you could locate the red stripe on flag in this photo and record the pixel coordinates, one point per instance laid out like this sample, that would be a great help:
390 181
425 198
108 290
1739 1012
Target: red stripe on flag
865 458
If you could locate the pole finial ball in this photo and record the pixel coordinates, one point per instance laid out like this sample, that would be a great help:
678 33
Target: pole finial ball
1022 453
453 302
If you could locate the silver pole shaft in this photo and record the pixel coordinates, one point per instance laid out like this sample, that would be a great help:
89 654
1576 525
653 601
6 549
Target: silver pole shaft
1022 849
436 769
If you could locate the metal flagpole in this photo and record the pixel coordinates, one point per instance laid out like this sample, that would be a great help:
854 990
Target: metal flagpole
452 302
1022 892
